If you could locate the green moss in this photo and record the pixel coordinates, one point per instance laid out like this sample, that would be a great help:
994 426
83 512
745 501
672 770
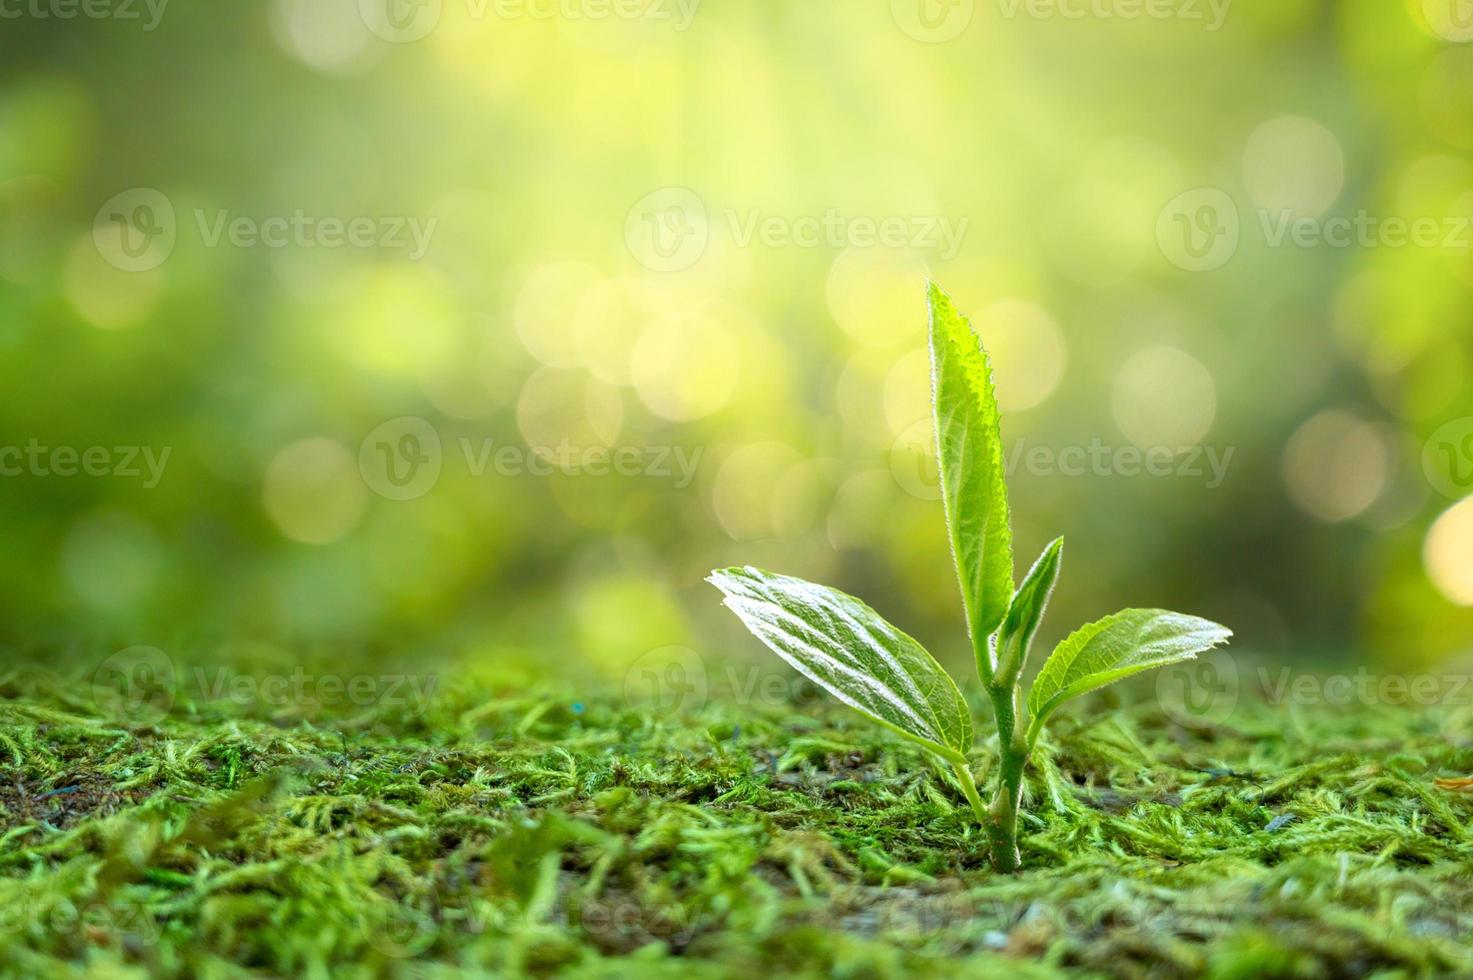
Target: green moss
502 830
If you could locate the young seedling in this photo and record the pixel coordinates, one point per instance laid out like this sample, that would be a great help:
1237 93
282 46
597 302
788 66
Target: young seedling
846 648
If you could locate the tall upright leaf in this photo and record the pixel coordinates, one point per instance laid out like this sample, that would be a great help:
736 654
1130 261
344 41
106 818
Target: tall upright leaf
849 650
969 451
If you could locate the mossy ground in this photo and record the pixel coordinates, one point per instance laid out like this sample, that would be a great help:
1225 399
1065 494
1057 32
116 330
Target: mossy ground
500 828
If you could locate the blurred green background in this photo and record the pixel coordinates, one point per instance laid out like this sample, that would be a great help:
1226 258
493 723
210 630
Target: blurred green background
332 283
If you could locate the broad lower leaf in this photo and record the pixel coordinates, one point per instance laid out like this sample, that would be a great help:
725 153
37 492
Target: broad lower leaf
849 650
1027 610
1114 648
969 451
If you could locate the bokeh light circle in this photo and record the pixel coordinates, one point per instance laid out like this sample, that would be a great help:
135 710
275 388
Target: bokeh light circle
608 323
565 409
874 294
105 296
1336 465
545 312
1164 397
112 559
1447 553
312 491
1446 94
743 495
1027 349
913 460
332 38
685 365
907 391
1293 164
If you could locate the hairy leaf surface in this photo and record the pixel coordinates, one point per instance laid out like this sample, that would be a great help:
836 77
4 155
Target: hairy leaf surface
969 451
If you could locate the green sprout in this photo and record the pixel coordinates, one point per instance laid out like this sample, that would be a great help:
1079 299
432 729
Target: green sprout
848 649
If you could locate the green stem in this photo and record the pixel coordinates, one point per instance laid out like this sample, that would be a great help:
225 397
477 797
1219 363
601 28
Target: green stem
1002 816
969 788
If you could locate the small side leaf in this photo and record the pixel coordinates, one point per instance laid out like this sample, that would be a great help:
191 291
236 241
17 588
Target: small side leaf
1026 612
849 650
1116 647
969 451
